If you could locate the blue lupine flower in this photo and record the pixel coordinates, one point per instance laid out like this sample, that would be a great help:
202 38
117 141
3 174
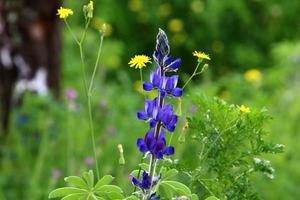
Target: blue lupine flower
170 65
155 114
155 80
154 196
157 146
169 88
166 85
146 182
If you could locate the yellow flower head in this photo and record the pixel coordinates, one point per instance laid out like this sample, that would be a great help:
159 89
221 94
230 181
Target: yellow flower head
63 13
139 61
244 109
175 25
253 75
200 55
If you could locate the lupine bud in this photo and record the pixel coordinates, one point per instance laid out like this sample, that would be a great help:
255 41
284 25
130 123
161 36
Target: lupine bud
162 43
121 159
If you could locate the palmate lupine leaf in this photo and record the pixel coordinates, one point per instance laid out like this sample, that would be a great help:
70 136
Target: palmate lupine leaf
83 188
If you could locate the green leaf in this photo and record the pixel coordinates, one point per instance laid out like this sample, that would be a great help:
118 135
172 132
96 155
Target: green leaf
89 178
60 192
92 197
103 181
74 196
114 195
135 173
144 166
178 187
212 198
194 197
168 190
132 197
169 174
108 189
76 181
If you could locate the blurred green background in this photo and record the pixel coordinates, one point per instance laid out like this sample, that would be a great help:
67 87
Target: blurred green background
254 47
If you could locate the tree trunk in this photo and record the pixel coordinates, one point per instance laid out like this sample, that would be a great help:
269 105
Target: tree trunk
29 52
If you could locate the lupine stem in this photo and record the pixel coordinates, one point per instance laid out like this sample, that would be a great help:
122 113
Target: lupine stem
157 132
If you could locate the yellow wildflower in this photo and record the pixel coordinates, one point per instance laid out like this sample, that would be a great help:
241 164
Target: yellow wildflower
244 109
200 55
139 61
253 75
175 25
63 13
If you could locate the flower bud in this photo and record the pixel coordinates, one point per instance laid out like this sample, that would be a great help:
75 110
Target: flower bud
121 158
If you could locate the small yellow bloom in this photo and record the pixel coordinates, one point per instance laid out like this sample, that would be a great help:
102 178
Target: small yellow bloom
200 55
244 109
139 61
63 13
253 75
175 25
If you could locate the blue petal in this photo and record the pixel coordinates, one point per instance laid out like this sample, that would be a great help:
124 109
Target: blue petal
152 123
169 151
175 64
141 145
171 128
142 115
135 181
177 92
147 86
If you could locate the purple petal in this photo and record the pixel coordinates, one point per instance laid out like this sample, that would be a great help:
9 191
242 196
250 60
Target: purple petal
152 123
177 92
135 181
171 128
147 86
169 151
142 115
175 64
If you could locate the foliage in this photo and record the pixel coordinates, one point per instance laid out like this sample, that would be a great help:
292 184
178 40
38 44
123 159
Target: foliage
84 188
225 147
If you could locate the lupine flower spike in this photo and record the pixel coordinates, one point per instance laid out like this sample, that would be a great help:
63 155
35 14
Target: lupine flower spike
157 112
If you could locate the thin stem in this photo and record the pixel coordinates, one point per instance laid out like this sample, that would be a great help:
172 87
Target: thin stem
141 75
89 96
85 31
70 30
88 90
139 173
194 74
83 70
93 135
96 65
170 139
